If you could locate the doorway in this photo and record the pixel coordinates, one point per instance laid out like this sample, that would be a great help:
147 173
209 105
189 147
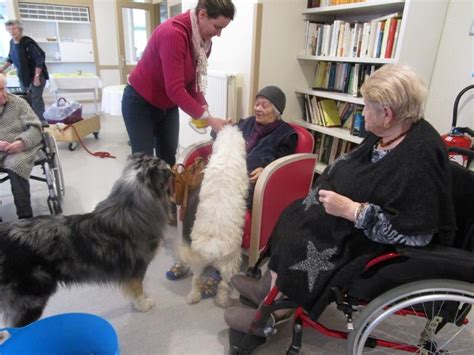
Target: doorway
136 21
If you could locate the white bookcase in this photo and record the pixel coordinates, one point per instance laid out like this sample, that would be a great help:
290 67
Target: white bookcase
417 46
63 32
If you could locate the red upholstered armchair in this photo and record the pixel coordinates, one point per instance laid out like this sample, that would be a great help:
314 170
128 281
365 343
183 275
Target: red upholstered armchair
280 183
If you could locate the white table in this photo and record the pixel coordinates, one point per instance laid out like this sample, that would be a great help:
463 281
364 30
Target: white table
112 99
12 81
75 83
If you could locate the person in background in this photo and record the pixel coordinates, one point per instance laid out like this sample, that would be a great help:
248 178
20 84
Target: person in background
267 138
20 139
28 58
171 74
394 188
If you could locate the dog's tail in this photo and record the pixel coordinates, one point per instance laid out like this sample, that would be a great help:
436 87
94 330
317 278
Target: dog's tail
213 247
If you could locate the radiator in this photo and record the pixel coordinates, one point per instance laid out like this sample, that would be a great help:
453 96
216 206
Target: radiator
221 96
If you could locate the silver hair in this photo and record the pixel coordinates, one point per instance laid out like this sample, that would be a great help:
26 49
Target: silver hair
16 23
276 112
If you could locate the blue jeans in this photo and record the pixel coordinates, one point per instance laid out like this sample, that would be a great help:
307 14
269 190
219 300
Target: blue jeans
151 130
37 102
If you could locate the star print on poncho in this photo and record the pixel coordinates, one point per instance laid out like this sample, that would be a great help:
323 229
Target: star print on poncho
314 263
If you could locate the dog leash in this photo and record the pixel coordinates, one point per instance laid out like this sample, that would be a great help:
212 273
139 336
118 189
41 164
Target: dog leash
95 154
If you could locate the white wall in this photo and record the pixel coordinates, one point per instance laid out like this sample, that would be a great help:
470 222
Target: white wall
107 40
453 69
231 53
282 39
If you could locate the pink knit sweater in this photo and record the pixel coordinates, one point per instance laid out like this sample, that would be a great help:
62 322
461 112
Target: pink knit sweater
165 76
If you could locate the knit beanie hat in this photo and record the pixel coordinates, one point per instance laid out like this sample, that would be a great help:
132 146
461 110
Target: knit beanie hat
275 96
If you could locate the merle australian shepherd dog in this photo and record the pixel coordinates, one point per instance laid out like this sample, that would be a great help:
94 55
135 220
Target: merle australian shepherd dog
111 245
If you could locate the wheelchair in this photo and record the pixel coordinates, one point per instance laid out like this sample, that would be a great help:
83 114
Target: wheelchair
48 159
292 174
415 300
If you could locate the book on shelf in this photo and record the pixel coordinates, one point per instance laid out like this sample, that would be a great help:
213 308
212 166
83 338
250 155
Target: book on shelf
358 125
325 151
313 3
392 29
330 114
373 38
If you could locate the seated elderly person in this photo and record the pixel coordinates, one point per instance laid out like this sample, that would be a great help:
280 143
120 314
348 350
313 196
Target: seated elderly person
392 189
267 138
20 139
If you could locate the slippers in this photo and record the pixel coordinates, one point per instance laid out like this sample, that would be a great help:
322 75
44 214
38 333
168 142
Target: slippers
209 287
177 271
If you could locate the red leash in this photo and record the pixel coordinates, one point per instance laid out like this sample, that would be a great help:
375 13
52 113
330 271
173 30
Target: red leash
96 154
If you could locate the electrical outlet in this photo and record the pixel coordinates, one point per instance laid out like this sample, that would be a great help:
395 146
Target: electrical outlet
471 32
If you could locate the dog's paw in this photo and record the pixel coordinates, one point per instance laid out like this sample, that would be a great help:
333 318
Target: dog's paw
143 304
223 300
193 297
4 336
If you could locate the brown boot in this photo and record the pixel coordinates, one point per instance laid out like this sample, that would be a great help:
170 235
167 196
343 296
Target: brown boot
252 289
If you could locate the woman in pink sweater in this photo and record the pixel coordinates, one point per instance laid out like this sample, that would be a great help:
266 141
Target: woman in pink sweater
171 74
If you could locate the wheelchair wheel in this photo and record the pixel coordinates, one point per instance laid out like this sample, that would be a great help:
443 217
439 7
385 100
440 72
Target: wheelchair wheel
426 317
58 173
54 178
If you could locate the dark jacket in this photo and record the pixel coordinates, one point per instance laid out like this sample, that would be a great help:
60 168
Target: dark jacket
31 56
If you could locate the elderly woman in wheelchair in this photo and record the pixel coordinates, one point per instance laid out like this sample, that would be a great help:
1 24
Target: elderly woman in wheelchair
20 140
391 196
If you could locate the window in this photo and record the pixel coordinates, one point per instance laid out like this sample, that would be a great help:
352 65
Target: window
135 30
4 36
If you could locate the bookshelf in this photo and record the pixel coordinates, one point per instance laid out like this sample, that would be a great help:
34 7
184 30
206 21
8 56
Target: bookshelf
415 36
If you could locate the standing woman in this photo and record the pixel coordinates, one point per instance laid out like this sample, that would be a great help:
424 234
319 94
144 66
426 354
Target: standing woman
28 58
171 74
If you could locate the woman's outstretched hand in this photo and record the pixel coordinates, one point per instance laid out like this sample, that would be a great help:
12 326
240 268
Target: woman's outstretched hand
338 205
216 123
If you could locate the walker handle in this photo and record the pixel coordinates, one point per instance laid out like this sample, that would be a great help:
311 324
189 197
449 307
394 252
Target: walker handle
456 103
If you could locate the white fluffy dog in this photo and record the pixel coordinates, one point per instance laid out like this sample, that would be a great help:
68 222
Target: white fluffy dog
216 235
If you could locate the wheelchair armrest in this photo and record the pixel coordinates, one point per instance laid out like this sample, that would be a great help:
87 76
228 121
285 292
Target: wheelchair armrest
280 184
201 149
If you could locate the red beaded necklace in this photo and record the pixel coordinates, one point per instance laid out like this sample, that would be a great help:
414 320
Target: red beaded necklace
383 145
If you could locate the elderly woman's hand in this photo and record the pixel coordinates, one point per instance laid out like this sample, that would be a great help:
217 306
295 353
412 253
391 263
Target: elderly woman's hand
254 175
338 205
15 147
3 145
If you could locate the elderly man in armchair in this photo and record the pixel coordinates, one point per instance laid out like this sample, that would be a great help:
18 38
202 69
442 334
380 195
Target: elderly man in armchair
20 139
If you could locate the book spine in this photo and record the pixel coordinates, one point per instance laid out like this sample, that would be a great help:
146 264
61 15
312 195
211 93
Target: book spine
373 32
395 41
391 37
379 39
385 39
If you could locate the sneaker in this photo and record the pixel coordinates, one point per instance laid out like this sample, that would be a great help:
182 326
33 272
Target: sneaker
209 287
177 271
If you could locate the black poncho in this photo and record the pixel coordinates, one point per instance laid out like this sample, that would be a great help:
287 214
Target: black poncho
411 184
